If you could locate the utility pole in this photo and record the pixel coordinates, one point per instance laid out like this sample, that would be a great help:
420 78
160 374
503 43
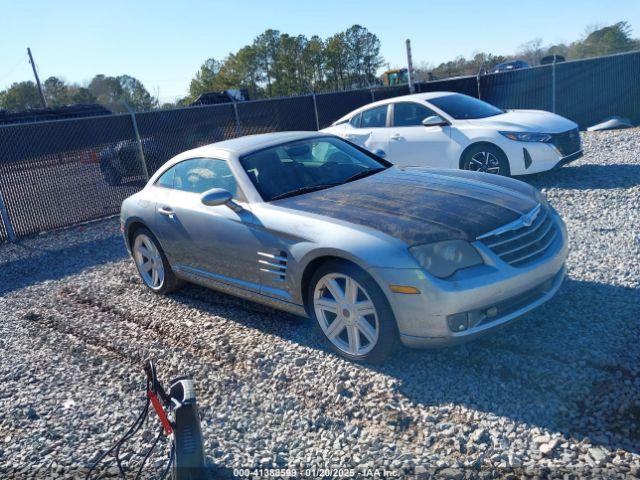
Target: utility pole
409 67
35 74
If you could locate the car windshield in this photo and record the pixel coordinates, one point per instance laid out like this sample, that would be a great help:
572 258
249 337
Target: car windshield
464 107
306 165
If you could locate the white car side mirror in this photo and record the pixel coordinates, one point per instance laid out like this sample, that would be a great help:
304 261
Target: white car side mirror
434 121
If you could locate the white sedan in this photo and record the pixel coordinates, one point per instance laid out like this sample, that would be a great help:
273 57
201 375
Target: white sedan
452 130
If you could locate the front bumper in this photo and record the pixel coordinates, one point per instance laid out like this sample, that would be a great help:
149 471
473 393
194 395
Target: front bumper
525 302
513 291
541 157
569 158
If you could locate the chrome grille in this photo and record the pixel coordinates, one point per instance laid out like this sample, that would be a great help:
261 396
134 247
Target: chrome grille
519 244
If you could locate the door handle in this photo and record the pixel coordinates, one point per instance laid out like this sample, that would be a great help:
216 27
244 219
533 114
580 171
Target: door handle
395 136
166 211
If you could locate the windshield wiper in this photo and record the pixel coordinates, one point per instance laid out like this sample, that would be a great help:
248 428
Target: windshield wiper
364 173
301 190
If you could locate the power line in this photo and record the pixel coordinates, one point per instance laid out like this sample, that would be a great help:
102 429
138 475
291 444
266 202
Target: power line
12 69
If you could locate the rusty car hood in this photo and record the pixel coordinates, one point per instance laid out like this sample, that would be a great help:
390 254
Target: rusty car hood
418 205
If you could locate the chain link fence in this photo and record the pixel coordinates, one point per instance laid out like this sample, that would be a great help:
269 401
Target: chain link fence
52 175
59 173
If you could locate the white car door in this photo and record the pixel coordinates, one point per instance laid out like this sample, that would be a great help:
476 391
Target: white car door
368 129
413 144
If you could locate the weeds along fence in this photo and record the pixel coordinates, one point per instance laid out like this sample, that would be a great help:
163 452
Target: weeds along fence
62 172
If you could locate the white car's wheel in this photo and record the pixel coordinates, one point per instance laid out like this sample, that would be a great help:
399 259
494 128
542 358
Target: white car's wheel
352 312
486 158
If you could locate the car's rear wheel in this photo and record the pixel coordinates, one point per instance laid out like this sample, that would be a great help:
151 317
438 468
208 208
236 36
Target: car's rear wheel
352 312
152 264
486 158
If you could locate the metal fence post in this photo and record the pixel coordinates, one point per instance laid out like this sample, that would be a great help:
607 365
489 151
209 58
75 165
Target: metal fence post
4 214
553 85
315 109
238 125
136 132
478 83
373 95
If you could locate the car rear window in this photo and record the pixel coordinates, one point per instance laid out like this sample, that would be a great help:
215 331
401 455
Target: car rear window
374 117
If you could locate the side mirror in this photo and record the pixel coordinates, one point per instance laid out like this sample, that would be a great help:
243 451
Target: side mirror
215 197
434 121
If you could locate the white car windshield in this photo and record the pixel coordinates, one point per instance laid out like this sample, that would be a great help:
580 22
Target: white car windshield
464 107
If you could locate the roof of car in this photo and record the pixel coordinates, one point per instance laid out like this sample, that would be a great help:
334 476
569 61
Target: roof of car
415 96
250 143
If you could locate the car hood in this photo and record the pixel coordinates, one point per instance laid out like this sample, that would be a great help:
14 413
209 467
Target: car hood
527 121
417 205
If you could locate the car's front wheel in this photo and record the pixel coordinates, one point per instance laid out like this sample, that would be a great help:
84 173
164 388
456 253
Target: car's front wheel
352 312
152 264
486 158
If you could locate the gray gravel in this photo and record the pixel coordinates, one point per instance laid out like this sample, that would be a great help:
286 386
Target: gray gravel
556 394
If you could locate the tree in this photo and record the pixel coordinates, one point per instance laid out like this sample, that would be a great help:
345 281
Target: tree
532 51
20 96
113 92
278 64
267 45
207 79
81 95
363 55
108 92
336 61
605 41
56 92
135 95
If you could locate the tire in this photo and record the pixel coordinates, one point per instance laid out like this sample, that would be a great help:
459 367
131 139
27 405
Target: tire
485 157
362 337
157 276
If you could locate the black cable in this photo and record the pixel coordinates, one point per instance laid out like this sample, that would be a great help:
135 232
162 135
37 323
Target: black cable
128 436
170 462
136 425
148 454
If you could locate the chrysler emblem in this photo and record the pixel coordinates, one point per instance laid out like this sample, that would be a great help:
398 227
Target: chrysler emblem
525 220
528 218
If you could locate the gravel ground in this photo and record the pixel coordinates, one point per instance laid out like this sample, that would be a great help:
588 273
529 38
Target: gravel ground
555 394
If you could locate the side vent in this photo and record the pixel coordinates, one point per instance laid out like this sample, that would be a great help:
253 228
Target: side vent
273 264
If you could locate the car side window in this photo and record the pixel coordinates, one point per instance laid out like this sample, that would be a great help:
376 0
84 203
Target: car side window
198 175
410 114
355 121
166 179
374 117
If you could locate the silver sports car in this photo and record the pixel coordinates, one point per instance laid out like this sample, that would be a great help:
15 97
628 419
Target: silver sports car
375 254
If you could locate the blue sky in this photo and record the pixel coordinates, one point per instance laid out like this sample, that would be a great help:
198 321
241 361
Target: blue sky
163 43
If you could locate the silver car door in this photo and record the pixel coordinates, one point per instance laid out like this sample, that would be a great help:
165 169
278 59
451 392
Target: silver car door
212 241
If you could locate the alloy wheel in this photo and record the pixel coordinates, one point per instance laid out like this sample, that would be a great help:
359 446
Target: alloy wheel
346 314
148 261
484 162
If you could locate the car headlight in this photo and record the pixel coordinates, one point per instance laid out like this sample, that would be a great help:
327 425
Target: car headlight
443 259
527 136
